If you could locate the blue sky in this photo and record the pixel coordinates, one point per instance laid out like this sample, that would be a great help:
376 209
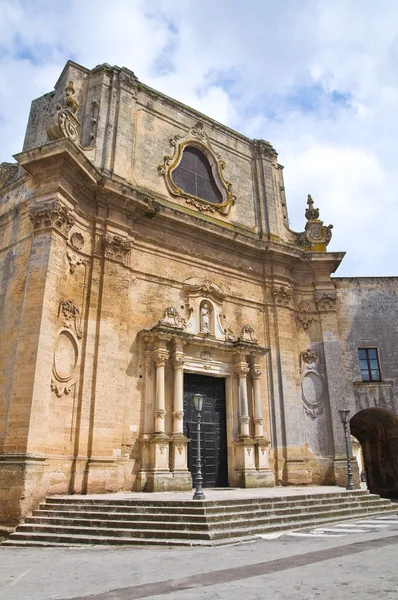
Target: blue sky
317 79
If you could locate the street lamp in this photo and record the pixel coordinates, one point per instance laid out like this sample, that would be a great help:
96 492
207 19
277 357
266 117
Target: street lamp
198 495
345 418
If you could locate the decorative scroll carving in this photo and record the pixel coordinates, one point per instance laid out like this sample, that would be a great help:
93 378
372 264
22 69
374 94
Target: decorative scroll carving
326 300
172 318
198 138
74 261
248 335
207 356
313 386
316 235
309 356
282 294
60 388
116 247
303 317
51 214
71 316
65 123
229 335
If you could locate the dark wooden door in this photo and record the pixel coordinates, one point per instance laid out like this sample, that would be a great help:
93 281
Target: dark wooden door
213 428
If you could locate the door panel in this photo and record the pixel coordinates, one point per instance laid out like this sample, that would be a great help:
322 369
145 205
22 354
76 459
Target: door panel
213 428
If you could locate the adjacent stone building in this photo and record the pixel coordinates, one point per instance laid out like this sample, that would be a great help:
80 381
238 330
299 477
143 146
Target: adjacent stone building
145 257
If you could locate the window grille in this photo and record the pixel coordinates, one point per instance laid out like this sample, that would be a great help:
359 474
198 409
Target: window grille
194 176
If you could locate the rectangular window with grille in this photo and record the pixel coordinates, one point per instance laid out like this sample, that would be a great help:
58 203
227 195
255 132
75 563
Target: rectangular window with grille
369 364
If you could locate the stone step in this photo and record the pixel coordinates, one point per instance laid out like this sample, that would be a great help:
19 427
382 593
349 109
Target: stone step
77 520
194 518
166 508
221 537
214 524
200 504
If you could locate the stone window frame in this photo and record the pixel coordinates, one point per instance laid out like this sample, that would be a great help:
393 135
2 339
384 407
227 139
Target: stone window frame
198 138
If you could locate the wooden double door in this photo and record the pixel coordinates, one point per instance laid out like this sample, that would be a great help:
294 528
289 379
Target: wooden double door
213 428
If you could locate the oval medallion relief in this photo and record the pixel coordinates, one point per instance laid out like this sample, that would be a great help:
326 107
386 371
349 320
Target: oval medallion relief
312 387
65 356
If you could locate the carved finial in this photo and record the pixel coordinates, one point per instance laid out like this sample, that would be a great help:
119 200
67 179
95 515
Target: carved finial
311 214
316 235
69 99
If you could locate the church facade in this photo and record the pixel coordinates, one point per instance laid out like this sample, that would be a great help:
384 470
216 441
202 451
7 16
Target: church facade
145 257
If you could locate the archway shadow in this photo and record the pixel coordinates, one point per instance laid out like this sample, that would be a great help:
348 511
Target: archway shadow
376 429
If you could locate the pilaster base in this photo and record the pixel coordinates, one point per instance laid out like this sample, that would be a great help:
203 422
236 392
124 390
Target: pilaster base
158 481
23 484
101 476
247 473
340 472
296 472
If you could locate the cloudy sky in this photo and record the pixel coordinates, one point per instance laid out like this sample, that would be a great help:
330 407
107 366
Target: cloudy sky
318 79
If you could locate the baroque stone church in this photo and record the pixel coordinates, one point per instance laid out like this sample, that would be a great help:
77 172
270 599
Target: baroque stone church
146 256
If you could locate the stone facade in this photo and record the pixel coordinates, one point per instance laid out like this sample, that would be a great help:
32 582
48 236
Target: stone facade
115 284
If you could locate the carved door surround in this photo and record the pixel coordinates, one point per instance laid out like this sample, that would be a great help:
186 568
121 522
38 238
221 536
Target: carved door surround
181 346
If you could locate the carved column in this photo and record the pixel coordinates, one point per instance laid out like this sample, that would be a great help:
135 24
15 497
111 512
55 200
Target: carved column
182 479
242 370
258 413
178 413
160 356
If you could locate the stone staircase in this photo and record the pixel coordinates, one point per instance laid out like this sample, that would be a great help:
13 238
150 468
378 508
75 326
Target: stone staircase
76 520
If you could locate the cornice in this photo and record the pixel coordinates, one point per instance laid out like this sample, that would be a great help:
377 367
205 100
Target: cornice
31 160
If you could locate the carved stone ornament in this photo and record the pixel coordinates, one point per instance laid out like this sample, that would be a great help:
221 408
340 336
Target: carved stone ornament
229 335
248 335
77 240
265 149
74 261
172 318
309 356
51 214
116 246
60 388
65 123
303 317
316 235
198 138
71 316
313 388
207 356
282 294
326 300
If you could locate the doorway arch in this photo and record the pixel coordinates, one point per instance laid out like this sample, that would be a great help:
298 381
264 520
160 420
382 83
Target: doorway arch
377 431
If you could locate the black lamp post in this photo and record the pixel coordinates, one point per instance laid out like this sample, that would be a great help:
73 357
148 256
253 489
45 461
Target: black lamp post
345 419
198 495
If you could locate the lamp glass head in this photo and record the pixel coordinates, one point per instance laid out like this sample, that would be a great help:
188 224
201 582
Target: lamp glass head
344 415
198 402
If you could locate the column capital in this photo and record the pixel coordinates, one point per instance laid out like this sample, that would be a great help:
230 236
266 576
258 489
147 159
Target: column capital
242 369
256 371
160 356
178 361
178 415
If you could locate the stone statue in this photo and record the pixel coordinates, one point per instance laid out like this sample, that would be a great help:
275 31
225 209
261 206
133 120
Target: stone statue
205 318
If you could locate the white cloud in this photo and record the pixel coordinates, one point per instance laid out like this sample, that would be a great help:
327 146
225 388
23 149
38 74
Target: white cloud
317 79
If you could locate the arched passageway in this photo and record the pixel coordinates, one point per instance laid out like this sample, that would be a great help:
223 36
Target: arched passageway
377 431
